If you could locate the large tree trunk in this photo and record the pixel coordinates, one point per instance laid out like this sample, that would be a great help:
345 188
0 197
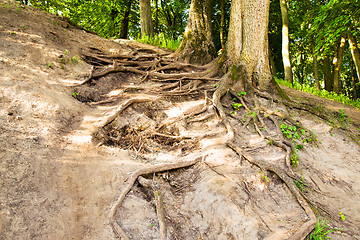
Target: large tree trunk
355 53
337 62
285 42
125 21
247 47
145 18
197 45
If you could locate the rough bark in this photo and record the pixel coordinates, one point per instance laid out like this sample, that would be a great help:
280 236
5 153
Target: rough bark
285 42
337 62
247 47
145 18
197 45
355 53
125 21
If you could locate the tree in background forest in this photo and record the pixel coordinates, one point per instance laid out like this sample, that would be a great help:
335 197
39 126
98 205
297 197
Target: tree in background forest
197 45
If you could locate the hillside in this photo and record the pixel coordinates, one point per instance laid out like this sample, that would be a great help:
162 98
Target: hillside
79 118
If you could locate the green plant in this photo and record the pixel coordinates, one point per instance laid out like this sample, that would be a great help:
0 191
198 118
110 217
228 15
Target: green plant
75 59
301 184
50 65
294 159
321 230
236 106
342 216
270 141
75 94
241 94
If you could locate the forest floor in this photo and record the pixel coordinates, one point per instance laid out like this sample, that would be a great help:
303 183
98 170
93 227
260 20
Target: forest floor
75 137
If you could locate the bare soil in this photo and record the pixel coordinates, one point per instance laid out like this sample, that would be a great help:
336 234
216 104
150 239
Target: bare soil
70 149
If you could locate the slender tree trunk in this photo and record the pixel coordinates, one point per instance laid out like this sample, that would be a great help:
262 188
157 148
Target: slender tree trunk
337 62
222 25
197 45
355 53
247 46
327 73
145 18
156 16
272 63
316 65
125 21
353 80
285 41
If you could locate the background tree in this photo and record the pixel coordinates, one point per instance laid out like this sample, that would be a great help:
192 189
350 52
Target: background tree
285 41
145 18
197 45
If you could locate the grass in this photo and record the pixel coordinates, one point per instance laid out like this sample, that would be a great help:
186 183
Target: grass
341 98
161 41
322 229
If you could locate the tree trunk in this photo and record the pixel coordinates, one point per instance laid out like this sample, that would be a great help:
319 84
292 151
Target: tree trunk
337 62
316 65
156 16
247 46
222 25
353 80
197 45
125 21
355 53
145 18
285 42
327 73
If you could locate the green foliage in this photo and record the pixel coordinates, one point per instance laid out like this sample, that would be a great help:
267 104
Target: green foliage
236 106
50 65
161 40
75 94
301 184
342 216
322 229
341 98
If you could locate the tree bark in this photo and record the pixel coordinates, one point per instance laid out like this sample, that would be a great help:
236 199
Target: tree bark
247 46
337 62
285 42
222 25
355 53
197 45
145 18
316 65
125 21
327 73
353 80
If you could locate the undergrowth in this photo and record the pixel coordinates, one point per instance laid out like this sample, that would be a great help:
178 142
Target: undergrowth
341 98
161 41
321 230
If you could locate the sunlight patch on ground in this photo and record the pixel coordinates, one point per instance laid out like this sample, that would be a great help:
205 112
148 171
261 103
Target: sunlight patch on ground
114 92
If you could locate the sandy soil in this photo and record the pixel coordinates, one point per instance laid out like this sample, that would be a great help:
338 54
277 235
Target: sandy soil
57 184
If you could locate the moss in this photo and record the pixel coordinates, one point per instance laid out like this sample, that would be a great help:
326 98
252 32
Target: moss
281 92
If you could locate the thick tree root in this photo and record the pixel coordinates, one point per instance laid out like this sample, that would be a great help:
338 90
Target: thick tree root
130 182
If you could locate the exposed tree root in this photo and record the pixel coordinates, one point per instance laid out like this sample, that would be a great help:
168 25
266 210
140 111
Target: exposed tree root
130 182
308 226
123 106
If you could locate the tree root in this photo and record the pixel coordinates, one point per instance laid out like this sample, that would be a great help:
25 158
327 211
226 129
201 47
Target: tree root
123 106
308 226
130 182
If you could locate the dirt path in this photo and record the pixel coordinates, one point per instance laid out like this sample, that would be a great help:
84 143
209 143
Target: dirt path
62 167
